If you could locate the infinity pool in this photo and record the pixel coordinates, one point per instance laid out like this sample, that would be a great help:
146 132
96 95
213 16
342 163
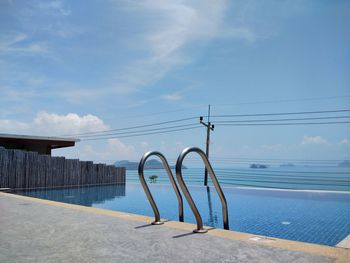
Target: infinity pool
309 216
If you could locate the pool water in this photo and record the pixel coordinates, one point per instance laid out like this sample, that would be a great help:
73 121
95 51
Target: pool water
309 216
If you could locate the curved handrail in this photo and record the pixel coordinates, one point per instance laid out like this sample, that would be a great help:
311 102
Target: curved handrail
187 194
147 191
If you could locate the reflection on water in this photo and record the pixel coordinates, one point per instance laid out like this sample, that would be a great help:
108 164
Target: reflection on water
213 218
86 196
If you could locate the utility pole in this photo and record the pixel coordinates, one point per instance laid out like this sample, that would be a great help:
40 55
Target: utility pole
210 127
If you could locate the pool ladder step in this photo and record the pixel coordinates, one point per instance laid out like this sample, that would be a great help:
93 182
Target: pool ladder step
157 220
182 184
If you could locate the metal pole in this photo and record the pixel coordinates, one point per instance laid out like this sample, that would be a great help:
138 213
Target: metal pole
207 147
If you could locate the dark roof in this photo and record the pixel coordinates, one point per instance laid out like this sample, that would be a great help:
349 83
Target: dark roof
35 143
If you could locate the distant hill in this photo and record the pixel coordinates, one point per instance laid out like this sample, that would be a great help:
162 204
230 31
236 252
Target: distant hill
258 166
345 163
150 164
127 164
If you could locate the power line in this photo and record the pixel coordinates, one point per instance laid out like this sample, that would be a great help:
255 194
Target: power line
284 124
288 119
279 101
279 113
134 127
198 106
132 130
105 132
141 131
141 134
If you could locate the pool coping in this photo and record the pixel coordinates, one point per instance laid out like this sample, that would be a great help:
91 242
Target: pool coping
338 253
345 243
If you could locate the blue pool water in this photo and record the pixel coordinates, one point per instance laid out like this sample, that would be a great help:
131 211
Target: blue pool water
310 216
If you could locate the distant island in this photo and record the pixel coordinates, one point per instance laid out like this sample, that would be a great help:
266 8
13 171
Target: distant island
287 165
258 166
345 163
150 164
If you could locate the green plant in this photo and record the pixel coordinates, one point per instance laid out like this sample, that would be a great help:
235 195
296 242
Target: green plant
153 178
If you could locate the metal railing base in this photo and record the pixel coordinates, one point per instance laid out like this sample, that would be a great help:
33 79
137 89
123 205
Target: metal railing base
157 223
200 231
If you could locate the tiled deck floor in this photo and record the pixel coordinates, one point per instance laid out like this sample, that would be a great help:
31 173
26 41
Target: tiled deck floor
34 230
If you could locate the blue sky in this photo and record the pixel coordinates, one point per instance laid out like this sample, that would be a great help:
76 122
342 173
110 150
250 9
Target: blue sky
68 67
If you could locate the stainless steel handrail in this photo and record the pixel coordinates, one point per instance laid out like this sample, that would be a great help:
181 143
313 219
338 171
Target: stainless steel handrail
148 192
187 194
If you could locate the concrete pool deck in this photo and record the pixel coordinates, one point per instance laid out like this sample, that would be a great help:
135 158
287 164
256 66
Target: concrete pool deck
37 230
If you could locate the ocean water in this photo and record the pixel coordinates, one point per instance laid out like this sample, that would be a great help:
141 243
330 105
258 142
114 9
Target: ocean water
297 177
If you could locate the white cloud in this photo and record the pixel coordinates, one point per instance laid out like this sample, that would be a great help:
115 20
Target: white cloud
118 149
12 94
313 140
144 144
105 151
64 29
242 33
175 26
344 142
18 44
17 38
56 7
13 126
172 97
70 123
168 30
36 81
76 95
52 124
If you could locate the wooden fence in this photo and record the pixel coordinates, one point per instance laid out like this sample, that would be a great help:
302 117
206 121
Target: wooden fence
23 170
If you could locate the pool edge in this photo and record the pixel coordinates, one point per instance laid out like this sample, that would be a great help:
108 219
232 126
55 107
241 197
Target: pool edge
338 253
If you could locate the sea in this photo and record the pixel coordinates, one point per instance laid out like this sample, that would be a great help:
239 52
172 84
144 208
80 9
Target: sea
326 178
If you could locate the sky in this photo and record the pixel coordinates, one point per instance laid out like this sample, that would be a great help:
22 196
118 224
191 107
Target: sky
71 67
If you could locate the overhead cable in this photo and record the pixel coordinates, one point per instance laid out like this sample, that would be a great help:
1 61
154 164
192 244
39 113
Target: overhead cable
134 127
141 134
287 119
141 131
280 113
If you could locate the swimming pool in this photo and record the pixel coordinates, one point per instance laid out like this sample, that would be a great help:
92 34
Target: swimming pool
309 216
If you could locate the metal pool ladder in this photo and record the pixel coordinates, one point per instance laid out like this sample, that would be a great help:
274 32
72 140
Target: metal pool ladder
187 194
147 191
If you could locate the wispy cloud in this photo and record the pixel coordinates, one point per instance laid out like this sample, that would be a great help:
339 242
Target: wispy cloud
344 142
241 33
20 44
176 26
172 97
313 140
55 7
12 94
